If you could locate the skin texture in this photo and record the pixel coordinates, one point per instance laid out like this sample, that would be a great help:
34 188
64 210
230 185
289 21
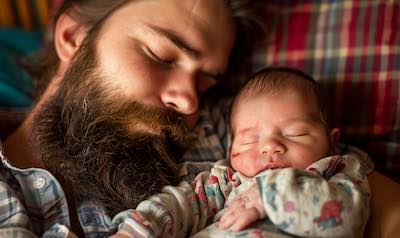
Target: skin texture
273 131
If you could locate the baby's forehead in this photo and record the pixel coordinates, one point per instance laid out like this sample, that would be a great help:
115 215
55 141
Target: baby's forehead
292 84
278 95
249 109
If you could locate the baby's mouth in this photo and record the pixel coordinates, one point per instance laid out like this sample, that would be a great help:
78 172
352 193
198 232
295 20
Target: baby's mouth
275 165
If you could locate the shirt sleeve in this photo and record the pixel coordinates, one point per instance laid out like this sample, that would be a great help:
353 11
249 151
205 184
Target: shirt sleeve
13 212
179 211
14 219
330 198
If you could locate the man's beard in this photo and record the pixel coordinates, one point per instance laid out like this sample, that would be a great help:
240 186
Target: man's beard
109 149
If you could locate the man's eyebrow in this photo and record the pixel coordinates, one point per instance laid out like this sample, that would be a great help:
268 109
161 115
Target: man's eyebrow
176 40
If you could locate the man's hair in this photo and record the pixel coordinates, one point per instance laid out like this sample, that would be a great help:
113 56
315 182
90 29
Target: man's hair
273 80
91 14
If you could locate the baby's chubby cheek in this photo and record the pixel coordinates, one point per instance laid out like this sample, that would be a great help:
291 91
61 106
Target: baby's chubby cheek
302 160
244 162
236 161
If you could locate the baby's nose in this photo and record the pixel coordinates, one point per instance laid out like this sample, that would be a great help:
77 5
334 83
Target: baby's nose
272 146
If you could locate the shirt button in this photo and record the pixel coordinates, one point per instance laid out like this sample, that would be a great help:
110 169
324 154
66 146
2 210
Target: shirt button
39 182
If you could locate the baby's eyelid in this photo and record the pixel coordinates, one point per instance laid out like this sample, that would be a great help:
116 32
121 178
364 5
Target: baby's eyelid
248 142
296 134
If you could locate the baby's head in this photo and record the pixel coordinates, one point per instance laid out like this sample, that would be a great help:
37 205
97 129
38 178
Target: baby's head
278 120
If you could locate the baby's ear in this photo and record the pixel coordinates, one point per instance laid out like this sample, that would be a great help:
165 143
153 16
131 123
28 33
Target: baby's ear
334 134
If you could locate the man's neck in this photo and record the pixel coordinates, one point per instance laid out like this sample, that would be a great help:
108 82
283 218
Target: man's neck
17 146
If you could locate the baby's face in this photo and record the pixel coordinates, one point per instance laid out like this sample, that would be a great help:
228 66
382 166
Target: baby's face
278 131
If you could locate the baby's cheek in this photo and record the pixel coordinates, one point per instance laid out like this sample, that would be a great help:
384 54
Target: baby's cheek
234 155
251 155
303 159
235 163
243 161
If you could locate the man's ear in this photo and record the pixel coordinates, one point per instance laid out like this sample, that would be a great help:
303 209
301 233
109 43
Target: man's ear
335 133
68 36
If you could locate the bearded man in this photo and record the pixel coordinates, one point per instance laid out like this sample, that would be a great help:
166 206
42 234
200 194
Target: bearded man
118 93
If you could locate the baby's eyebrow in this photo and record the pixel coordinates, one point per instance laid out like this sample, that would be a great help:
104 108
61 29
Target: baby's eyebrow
246 130
304 120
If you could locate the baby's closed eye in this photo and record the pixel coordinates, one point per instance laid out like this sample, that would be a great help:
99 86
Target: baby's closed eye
248 142
303 137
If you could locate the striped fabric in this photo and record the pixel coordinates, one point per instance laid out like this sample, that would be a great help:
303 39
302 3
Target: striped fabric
28 14
353 48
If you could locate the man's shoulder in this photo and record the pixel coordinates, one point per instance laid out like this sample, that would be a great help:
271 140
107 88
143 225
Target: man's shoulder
13 209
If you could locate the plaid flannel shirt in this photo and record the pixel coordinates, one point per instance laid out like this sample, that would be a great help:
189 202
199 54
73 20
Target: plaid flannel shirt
32 202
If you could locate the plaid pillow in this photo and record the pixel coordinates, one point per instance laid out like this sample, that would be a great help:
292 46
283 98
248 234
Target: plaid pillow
353 48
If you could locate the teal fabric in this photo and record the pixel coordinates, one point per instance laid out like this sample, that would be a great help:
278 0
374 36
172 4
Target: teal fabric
15 84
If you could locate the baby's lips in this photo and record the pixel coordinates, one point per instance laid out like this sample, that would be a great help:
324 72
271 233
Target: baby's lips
276 166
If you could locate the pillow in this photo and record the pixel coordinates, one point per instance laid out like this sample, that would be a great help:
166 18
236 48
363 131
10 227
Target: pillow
22 24
353 48
16 87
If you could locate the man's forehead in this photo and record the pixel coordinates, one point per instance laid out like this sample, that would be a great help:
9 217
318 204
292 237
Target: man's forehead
197 22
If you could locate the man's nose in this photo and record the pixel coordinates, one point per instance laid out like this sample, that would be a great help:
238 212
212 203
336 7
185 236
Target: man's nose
272 146
181 95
